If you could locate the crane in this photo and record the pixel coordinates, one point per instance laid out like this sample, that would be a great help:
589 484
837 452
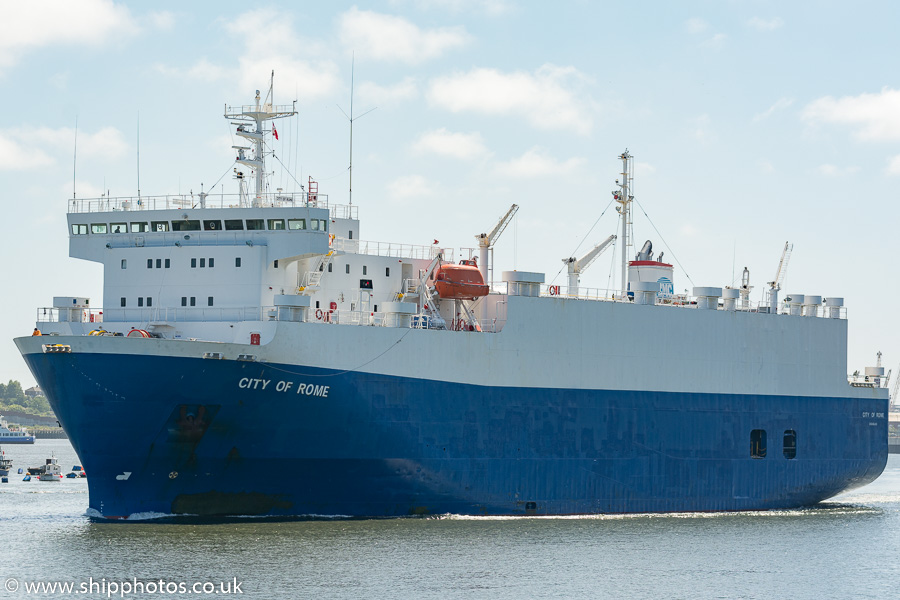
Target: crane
577 266
775 285
486 240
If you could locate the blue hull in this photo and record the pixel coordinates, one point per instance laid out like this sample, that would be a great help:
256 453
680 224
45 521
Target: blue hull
198 437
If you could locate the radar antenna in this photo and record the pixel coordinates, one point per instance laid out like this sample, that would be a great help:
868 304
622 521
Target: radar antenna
257 114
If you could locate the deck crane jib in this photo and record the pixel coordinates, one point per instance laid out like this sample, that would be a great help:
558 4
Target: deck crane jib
486 241
576 266
775 284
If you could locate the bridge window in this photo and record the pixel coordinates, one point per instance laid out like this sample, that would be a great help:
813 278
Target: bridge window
387 271
124 263
168 264
211 263
350 237
159 226
790 444
78 229
324 225
213 225
149 263
758 443
139 227
193 263
276 264
159 263
365 270
149 301
314 224
140 301
255 224
184 300
347 268
237 261
185 225
209 301
121 301
276 224
202 263
296 224
98 227
233 225
329 267
193 301
118 227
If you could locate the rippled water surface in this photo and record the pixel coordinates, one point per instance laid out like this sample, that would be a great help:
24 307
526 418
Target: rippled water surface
846 548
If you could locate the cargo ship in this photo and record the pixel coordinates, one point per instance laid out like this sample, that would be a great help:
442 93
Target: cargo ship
246 330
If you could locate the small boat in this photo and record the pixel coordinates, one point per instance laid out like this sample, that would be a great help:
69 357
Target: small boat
50 471
35 470
4 479
71 475
460 282
77 468
5 464
26 478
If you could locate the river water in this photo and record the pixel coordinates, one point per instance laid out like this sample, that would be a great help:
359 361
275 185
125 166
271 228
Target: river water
846 548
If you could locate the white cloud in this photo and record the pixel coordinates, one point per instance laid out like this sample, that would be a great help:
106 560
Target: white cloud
702 130
547 98
643 168
386 37
491 8
162 20
371 92
14 155
893 167
270 43
30 148
835 171
715 41
765 24
876 117
696 25
537 163
83 189
765 166
464 146
29 25
202 70
409 187
780 104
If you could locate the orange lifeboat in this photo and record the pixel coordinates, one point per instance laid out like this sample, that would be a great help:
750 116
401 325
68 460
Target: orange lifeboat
460 282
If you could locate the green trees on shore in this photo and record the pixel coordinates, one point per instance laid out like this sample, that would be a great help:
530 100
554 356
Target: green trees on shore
12 397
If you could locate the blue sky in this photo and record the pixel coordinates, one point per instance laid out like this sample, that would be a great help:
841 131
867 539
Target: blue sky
751 122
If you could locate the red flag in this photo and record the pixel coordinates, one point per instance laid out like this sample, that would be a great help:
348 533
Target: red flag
274 131
435 242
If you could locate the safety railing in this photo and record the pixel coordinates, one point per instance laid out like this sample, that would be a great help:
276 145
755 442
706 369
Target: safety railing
390 249
196 201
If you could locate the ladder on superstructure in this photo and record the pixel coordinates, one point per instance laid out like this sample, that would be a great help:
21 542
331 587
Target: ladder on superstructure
313 277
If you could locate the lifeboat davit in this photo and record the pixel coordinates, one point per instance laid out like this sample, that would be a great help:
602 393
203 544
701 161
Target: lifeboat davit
460 282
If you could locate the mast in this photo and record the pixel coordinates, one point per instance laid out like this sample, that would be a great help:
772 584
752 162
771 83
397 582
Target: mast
624 198
257 114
